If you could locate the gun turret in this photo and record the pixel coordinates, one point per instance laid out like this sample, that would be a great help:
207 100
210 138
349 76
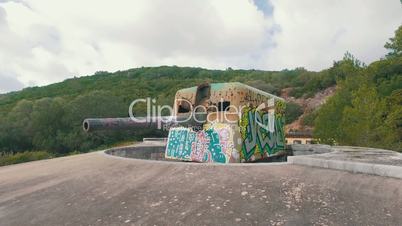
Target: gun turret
219 122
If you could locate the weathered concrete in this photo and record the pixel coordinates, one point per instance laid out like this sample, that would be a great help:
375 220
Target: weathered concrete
149 149
98 189
309 149
354 159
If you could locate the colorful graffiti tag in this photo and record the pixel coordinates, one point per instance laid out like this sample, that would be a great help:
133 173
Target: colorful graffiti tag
179 145
213 144
261 132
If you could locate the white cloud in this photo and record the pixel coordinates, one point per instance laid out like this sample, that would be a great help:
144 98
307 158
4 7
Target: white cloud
45 41
315 32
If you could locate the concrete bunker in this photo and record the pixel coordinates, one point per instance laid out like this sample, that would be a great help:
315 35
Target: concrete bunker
217 122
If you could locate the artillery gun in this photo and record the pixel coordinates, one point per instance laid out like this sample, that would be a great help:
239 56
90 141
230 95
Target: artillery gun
218 122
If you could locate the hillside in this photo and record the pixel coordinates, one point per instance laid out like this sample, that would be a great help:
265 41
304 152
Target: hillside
164 81
49 117
364 109
308 106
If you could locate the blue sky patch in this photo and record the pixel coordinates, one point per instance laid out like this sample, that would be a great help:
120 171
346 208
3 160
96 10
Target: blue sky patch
264 6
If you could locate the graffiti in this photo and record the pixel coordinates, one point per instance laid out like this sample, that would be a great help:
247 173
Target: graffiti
221 144
279 109
199 147
261 136
180 142
213 144
261 132
258 133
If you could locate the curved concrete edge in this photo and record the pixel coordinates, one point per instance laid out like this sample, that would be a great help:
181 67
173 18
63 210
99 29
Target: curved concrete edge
355 167
104 153
305 160
156 143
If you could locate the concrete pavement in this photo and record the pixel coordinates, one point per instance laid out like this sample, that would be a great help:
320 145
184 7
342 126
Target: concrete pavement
354 159
97 189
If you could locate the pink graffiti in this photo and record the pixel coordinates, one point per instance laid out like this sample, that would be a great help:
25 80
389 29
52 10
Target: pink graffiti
225 142
200 147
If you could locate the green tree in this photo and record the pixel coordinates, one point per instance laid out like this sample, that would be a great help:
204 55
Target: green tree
308 119
16 130
47 120
264 86
327 123
346 67
92 105
362 121
393 124
395 44
292 112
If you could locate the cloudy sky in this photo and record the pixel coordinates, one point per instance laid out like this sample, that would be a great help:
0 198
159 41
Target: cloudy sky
47 41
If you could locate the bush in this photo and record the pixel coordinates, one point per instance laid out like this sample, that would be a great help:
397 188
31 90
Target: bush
293 112
308 120
8 159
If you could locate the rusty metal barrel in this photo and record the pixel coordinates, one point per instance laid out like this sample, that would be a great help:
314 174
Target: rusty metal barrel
94 124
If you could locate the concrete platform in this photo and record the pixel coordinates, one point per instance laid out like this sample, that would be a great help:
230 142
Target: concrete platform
354 159
97 189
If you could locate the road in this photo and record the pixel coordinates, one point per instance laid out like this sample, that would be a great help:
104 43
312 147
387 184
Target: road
97 189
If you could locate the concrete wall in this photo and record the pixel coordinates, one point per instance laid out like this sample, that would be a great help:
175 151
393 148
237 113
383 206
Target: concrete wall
151 152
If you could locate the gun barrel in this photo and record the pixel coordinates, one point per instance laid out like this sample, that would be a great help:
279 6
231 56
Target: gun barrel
93 124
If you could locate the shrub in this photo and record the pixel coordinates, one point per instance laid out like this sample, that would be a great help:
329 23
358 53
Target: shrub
292 112
8 159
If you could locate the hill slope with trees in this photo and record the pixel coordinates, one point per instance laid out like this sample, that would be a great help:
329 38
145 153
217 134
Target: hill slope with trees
367 107
365 110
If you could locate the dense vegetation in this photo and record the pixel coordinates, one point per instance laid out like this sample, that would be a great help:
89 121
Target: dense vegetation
49 118
366 109
8 159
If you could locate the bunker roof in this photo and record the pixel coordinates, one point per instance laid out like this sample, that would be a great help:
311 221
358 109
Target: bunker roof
230 86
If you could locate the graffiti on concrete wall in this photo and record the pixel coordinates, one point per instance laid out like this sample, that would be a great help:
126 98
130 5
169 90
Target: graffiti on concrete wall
213 144
221 141
180 143
262 132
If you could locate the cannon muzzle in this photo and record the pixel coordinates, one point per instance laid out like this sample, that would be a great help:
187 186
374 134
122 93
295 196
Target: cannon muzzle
93 124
